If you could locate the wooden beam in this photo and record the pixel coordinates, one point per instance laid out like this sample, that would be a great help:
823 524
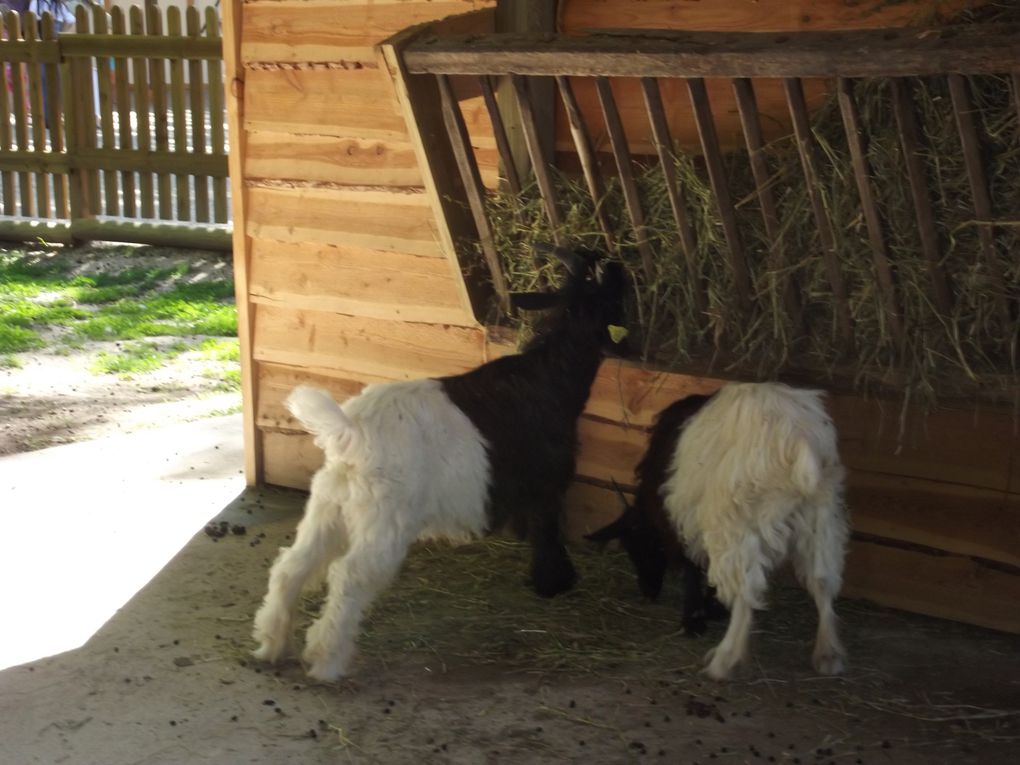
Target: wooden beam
506 155
541 159
234 75
664 148
528 17
721 191
750 122
421 110
586 155
869 207
910 144
965 49
806 148
625 169
981 197
460 144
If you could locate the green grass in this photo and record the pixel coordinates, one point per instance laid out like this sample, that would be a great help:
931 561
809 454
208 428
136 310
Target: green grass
216 349
39 291
138 358
14 339
8 361
227 380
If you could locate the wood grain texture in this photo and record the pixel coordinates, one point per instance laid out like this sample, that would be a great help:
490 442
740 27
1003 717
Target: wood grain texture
331 159
276 382
335 343
757 16
357 281
354 103
397 221
948 586
254 463
679 114
311 30
961 519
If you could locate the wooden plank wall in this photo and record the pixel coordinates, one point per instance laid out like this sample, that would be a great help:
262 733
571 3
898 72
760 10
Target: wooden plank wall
345 280
579 16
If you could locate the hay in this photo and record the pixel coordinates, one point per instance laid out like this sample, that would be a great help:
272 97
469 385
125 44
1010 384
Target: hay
470 604
970 351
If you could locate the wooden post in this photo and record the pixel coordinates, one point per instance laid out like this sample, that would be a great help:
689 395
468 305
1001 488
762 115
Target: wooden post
143 137
418 96
177 100
7 200
196 106
118 24
157 81
38 112
218 139
536 17
234 72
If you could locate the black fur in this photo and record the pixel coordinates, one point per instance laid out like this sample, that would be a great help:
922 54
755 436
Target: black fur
527 405
645 530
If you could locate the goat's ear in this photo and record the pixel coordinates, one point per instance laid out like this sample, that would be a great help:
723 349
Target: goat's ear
535 301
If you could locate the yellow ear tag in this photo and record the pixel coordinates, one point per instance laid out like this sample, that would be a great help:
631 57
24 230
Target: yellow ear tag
617 333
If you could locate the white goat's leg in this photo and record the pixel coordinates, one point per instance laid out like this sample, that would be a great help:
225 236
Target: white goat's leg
320 537
732 650
819 562
354 581
741 577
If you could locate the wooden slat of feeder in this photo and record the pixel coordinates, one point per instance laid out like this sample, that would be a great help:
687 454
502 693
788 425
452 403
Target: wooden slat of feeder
806 148
720 189
506 156
460 144
978 181
586 155
539 162
973 49
664 148
751 125
869 207
910 141
624 166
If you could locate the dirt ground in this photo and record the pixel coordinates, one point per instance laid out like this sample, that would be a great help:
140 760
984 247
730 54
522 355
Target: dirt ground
168 679
53 398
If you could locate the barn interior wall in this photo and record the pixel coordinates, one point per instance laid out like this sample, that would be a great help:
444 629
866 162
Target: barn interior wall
346 277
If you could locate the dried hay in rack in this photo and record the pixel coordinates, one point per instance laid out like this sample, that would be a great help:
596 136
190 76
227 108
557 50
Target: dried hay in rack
968 350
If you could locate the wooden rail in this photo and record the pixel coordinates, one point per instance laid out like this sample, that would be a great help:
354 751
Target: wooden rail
976 49
96 140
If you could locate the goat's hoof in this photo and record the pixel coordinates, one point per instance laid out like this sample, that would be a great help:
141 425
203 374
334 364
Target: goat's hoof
267 652
719 666
829 663
548 581
694 625
327 671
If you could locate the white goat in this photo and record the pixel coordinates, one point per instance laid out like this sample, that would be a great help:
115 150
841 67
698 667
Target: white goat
745 479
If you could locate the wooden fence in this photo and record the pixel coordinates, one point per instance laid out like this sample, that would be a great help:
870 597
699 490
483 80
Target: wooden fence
114 132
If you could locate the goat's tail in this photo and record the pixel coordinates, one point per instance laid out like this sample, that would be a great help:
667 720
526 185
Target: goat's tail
323 418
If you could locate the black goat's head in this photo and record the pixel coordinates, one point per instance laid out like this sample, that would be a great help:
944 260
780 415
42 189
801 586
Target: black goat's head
591 296
643 543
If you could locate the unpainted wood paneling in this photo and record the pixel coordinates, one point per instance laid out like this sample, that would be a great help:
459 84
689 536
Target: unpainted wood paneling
276 381
335 343
291 458
970 446
358 281
754 16
630 102
943 585
328 30
331 159
960 519
393 220
351 103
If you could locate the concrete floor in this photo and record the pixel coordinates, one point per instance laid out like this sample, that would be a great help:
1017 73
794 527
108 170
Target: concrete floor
106 564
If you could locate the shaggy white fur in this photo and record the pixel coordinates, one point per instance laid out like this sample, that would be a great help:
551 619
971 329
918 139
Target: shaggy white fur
756 477
402 463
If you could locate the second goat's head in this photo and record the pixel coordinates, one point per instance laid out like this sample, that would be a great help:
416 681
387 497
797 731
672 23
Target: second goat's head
589 300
